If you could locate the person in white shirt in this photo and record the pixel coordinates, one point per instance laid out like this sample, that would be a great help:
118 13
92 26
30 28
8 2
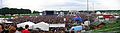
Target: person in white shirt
86 25
64 19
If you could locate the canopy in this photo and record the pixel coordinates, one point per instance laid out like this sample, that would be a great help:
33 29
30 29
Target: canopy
98 12
26 23
0 21
8 22
100 17
57 25
117 16
42 25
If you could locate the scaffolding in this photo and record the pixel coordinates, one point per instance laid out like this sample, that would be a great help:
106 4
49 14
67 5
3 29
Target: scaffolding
73 13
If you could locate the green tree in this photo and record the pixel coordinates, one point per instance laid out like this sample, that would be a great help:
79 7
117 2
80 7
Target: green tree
36 12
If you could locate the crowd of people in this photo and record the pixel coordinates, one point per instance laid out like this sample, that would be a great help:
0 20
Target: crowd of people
14 29
37 19
7 28
69 22
53 19
10 28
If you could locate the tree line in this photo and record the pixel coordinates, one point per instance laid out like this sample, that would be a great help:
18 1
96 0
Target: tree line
12 11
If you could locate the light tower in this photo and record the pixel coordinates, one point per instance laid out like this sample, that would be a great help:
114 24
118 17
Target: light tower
87 5
1 4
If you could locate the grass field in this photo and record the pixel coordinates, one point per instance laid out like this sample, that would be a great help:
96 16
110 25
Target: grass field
110 27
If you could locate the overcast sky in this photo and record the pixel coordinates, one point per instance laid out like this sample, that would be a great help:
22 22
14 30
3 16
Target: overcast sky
62 4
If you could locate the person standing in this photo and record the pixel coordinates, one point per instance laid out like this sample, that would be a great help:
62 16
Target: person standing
12 29
26 29
19 30
6 30
1 28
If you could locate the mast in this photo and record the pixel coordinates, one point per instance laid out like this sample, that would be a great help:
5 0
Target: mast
87 5
1 4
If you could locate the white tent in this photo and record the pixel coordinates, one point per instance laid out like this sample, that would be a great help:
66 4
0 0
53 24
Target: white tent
5 21
98 12
116 16
8 22
57 25
0 20
100 17
42 25
26 23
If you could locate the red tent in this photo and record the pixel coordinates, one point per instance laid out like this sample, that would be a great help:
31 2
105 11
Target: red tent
108 16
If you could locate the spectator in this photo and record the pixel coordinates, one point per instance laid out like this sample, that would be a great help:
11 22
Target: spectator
26 29
78 31
1 28
86 24
6 30
19 30
35 31
12 29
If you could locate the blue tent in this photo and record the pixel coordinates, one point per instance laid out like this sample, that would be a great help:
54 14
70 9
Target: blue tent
78 19
76 28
